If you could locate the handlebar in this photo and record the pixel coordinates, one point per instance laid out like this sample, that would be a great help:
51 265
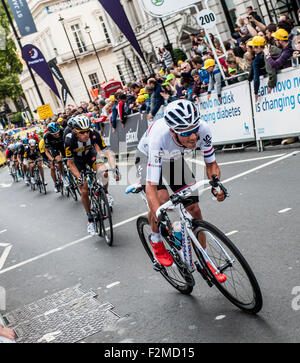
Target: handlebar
185 193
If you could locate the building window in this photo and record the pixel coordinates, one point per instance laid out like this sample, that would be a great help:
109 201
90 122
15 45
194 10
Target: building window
94 80
78 38
121 74
107 37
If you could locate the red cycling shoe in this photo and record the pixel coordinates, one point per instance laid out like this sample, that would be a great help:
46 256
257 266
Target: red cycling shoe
161 254
220 277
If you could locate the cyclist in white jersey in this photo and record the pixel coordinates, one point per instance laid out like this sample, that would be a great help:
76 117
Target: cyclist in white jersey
161 154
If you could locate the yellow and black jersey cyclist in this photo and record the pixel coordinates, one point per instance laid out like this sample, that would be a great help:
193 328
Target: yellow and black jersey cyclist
83 146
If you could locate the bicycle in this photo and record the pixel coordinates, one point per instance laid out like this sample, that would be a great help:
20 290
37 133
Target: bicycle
73 188
59 181
100 208
13 172
240 288
39 183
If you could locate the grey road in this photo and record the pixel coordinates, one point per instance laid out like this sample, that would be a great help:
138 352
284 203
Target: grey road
44 250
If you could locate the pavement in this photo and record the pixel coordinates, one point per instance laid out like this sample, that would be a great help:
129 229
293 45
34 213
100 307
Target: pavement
45 250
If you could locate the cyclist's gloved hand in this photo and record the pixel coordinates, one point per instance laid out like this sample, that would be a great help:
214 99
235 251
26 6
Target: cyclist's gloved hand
218 190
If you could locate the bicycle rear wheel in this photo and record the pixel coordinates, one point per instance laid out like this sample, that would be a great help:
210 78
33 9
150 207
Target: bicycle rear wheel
106 218
178 274
241 287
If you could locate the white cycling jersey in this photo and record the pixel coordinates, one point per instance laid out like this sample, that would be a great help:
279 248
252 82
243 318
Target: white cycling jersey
159 145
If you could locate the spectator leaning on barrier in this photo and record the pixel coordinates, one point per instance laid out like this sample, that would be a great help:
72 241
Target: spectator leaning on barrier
198 87
258 65
156 98
282 41
215 78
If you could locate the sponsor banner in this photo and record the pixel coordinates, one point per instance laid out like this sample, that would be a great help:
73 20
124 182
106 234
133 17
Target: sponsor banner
22 16
277 114
36 60
62 5
232 120
135 127
160 8
115 10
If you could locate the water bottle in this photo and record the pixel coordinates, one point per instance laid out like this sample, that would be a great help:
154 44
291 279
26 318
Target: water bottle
177 233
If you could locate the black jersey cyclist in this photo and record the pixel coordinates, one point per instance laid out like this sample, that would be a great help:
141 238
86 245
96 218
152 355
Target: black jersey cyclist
55 151
32 154
83 147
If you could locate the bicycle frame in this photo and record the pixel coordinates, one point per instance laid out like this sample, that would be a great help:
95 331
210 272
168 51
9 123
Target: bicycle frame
186 224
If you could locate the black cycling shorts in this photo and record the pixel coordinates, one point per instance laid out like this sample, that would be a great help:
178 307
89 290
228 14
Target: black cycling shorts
83 161
173 179
54 153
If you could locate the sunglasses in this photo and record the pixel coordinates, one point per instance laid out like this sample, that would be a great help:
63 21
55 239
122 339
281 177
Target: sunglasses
83 131
191 132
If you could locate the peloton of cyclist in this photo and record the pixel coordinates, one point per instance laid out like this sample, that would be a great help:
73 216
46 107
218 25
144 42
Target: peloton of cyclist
83 147
161 153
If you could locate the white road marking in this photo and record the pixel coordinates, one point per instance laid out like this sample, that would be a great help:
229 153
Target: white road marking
4 230
5 253
231 233
220 317
137 216
200 162
258 168
284 210
3 185
253 159
113 284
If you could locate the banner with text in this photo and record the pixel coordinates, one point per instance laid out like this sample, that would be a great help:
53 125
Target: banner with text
36 60
232 120
22 16
277 114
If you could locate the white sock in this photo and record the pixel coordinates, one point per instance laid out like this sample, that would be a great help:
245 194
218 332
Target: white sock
155 237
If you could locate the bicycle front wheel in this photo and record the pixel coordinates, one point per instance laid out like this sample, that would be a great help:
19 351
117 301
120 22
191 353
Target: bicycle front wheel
178 274
106 218
241 287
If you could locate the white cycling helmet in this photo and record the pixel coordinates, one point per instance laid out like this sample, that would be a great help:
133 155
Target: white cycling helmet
81 122
181 115
32 142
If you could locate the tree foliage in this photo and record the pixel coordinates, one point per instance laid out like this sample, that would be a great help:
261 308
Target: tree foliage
10 65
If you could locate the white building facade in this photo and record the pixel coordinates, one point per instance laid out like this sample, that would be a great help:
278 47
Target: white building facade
118 59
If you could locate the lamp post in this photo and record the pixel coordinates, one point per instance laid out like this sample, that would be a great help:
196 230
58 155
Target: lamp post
88 31
61 20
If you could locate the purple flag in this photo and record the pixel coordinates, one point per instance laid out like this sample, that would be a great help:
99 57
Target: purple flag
35 60
117 13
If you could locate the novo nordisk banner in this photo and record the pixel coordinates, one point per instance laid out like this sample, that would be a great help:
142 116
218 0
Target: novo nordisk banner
160 8
23 16
277 113
230 121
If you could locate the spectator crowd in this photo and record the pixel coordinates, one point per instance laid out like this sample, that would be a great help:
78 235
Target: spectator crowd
255 50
